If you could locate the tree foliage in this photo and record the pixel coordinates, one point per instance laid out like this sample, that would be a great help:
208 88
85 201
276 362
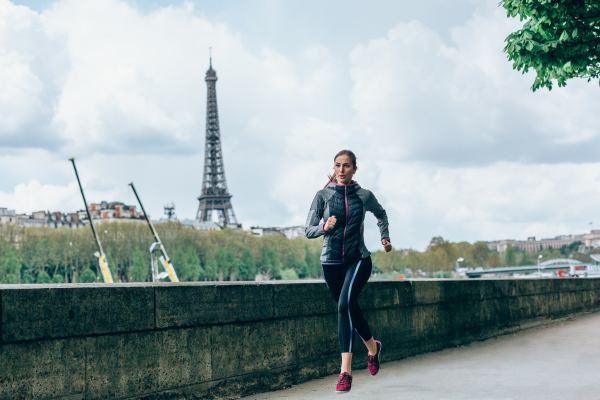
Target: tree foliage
43 254
43 277
441 256
289 274
10 266
140 267
510 259
524 261
478 254
88 276
560 39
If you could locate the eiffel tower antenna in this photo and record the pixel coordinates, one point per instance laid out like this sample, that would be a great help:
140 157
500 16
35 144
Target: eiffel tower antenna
215 197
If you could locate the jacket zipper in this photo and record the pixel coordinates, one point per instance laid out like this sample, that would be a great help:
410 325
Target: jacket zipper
346 226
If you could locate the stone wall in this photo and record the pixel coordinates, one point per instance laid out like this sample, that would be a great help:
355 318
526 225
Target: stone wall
227 340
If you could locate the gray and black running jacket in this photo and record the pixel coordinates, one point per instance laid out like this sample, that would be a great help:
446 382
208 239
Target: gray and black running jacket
344 242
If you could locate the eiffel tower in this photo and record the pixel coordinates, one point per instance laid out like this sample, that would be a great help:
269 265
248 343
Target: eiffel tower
215 197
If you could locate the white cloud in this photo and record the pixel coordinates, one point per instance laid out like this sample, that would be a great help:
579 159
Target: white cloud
33 196
503 200
129 82
25 98
19 91
132 92
447 132
462 104
448 136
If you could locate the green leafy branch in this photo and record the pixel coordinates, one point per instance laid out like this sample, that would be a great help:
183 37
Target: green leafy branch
560 39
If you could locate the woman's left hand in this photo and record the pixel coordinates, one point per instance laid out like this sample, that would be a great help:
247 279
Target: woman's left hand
386 245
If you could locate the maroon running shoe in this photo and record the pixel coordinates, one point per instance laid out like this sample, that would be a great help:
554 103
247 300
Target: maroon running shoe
344 383
373 361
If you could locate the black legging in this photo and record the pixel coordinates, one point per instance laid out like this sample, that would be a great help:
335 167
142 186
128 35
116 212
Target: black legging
345 281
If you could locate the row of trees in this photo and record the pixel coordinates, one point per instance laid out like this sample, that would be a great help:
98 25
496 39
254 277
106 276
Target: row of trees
441 255
46 255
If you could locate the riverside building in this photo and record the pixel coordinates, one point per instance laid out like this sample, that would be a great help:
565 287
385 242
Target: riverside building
588 241
41 218
100 212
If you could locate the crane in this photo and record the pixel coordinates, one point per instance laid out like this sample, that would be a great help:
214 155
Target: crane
104 268
156 247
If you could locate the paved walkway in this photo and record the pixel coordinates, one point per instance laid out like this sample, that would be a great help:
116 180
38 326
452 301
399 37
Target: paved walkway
558 361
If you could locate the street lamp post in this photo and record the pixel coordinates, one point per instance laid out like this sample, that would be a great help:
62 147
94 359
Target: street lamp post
539 270
459 260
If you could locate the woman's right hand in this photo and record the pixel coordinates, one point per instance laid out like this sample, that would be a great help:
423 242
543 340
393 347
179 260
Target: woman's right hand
330 223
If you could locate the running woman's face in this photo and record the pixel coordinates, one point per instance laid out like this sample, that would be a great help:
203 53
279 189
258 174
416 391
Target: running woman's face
344 169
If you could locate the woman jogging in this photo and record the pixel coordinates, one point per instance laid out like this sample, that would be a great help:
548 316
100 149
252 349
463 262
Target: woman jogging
342 205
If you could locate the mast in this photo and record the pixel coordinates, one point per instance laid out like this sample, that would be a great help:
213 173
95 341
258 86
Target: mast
104 268
157 245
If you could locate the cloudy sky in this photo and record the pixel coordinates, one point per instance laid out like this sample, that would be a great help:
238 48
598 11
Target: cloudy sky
450 138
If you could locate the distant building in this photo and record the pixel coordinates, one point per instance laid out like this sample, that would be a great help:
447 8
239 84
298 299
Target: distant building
7 216
57 219
201 226
533 245
41 218
36 219
293 232
190 223
260 232
290 232
100 212
111 212
591 240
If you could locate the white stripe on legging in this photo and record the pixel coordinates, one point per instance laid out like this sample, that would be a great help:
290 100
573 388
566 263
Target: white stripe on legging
350 316
323 270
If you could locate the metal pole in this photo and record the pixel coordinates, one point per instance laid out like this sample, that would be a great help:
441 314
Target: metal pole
103 262
167 260
145 215
86 208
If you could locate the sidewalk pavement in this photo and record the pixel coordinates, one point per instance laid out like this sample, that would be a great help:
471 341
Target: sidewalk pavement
556 361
